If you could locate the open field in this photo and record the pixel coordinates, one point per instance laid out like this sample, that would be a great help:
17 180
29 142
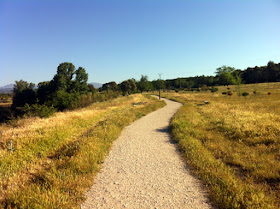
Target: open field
232 143
49 163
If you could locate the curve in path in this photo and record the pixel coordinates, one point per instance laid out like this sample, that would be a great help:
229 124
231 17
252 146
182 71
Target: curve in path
144 169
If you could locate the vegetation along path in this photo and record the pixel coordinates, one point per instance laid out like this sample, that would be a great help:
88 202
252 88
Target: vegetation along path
144 169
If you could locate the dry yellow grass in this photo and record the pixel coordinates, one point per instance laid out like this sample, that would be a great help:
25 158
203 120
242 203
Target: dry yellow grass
240 132
42 159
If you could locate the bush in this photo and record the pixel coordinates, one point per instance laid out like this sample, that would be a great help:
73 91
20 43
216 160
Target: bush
5 114
41 111
245 94
63 100
229 93
214 89
224 92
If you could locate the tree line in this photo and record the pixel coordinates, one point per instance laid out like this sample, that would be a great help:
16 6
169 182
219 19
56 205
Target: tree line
226 75
69 88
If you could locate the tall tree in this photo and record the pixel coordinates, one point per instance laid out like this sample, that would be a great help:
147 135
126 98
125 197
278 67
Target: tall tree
144 84
80 82
63 78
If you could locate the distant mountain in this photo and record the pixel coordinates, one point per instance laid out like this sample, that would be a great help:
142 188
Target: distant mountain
7 86
7 89
96 85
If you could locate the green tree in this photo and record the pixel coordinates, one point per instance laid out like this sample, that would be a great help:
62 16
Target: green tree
24 93
80 83
273 71
110 86
128 86
225 75
144 84
44 92
63 78
91 88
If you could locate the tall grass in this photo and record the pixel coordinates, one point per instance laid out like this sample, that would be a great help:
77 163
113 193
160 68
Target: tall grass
49 163
232 143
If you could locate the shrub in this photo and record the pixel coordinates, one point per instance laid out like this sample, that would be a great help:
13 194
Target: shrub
204 88
245 94
229 93
41 111
224 92
214 89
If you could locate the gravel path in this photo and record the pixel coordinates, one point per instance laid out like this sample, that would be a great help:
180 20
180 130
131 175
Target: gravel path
144 169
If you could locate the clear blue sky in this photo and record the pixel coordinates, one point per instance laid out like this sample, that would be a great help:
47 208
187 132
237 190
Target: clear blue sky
117 40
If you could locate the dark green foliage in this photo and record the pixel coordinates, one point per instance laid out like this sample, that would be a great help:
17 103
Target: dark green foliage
63 78
245 94
42 111
269 73
111 86
226 75
64 91
159 84
5 114
24 93
80 82
214 89
63 100
144 84
128 86
44 92
91 88
66 87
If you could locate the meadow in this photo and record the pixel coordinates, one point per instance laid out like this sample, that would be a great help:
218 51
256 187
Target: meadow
51 162
232 142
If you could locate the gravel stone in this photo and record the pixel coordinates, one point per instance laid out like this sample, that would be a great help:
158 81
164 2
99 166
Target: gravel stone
145 170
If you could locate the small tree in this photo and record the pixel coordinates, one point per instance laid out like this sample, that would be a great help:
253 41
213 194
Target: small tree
23 94
128 86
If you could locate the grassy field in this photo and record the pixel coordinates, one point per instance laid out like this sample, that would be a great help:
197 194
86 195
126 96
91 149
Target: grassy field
49 163
232 143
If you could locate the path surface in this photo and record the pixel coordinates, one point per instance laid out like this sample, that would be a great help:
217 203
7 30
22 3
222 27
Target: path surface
144 170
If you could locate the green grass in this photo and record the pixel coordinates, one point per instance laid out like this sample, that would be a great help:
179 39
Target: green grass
55 160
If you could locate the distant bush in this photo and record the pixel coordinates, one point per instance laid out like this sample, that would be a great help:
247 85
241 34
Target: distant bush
204 88
214 89
245 94
229 93
224 92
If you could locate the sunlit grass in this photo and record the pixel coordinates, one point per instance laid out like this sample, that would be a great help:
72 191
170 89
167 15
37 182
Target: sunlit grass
49 163
233 143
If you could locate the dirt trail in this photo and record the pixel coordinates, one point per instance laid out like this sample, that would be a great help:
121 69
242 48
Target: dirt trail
144 170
